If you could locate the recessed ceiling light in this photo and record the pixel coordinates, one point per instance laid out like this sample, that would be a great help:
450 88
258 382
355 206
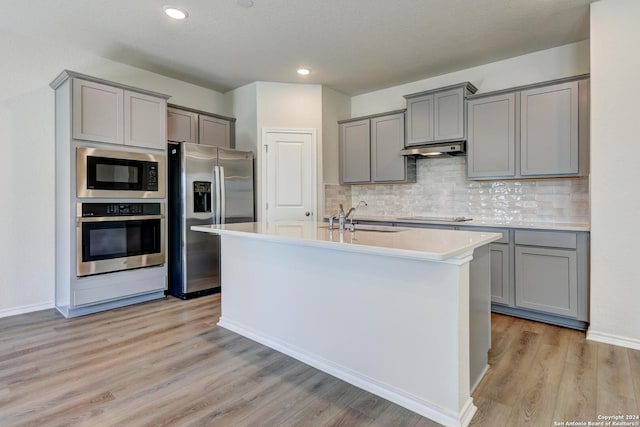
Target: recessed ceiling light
304 71
175 12
244 3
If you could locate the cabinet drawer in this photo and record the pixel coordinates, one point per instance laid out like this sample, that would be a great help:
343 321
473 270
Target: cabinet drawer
546 238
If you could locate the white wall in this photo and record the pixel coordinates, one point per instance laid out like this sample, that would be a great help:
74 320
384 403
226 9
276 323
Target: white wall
243 104
615 199
27 160
284 105
563 61
335 106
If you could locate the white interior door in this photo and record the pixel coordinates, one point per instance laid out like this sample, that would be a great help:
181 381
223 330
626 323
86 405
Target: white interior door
289 174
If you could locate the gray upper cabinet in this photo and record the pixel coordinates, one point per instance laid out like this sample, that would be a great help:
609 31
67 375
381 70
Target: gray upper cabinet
197 127
182 126
112 114
145 120
449 114
387 139
539 131
437 115
98 112
420 120
355 152
370 150
214 131
491 143
549 130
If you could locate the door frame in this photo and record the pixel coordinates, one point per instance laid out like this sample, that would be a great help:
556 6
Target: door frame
264 165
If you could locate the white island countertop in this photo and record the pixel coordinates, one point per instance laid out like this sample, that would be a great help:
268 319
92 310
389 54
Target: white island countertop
412 243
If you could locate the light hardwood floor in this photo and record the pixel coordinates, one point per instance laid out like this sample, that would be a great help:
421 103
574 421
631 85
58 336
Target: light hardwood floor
166 363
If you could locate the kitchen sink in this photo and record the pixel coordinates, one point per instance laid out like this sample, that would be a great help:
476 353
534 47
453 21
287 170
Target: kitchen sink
437 218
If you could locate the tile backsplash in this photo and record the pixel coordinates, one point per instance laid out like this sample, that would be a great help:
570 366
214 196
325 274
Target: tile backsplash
442 189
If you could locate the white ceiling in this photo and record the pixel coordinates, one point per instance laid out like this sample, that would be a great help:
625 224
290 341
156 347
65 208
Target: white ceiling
353 46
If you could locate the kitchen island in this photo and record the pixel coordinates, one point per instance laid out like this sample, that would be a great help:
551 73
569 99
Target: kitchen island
396 313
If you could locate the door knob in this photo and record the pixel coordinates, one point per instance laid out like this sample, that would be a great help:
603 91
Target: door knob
307 213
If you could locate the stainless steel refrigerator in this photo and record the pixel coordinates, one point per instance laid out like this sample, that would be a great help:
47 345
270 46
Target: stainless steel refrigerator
207 185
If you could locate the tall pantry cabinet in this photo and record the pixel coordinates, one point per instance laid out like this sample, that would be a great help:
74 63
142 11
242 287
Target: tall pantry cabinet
111 117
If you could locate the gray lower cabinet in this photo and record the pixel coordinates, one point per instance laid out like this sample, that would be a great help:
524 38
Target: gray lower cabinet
538 131
501 264
370 150
551 275
500 273
197 127
537 274
546 280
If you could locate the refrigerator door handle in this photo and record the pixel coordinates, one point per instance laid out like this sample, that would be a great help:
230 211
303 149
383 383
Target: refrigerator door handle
216 179
223 197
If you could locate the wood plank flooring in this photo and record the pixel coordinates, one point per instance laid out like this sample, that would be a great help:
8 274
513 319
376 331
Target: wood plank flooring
166 363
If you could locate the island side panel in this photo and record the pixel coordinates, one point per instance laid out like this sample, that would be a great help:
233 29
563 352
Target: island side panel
479 313
396 327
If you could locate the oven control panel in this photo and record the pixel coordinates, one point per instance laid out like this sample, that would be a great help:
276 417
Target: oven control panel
120 209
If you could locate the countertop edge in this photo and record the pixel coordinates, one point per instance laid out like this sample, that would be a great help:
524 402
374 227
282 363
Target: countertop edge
480 223
455 256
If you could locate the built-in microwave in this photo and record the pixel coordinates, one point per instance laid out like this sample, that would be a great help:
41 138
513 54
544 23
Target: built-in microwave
119 174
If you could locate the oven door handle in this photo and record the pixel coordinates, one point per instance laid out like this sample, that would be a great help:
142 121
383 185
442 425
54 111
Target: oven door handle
116 218
223 197
216 179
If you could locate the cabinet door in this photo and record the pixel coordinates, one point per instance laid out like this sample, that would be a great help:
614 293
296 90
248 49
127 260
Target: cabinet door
97 112
449 115
500 283
549 130
355 152
420 120
387 139
214 131
546 280
145 120
182 126
491 140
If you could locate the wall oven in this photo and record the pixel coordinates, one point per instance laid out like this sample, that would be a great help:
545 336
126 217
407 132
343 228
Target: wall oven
119 174
119 236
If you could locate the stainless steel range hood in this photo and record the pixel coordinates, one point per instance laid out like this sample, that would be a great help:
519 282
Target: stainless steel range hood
435 150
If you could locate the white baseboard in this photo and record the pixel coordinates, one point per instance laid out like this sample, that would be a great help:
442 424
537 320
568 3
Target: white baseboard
26 309
405 400
613 339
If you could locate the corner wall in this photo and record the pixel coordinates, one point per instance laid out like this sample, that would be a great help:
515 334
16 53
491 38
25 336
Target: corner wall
289 105
615 199
563 61
27 132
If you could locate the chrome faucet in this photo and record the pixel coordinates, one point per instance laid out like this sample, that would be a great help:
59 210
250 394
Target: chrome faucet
342 217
